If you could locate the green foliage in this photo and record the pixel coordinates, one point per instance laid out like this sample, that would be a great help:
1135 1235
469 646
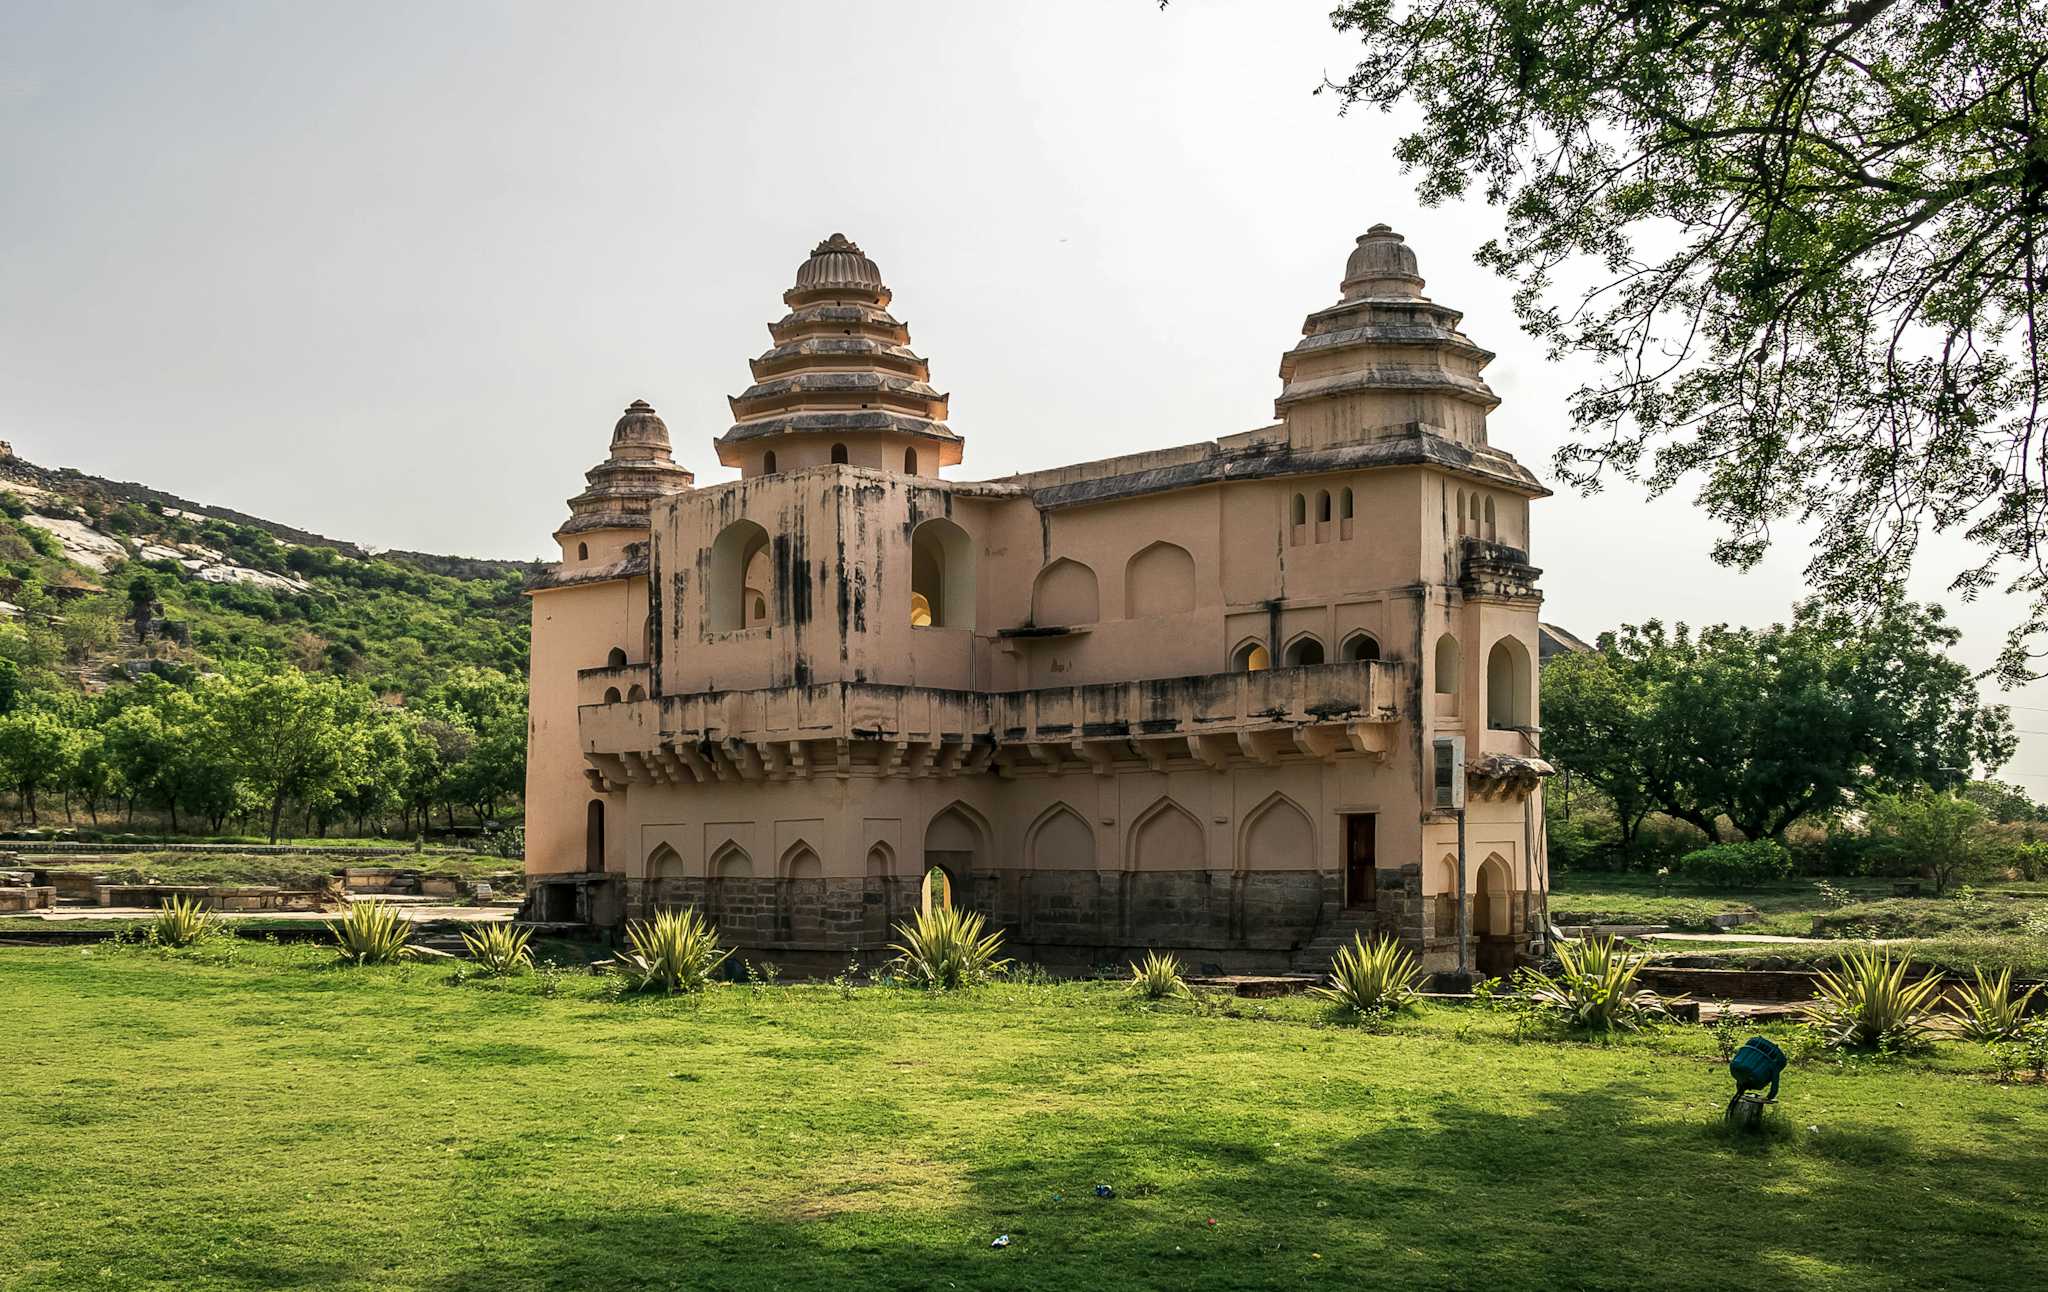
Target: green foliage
1941 834
373 933
1868 1002
1371 979
1802 251
1764 728
1157 977
945 949
181 922
1737 865
675 952
1989 1009
499 950
1594 988
36 753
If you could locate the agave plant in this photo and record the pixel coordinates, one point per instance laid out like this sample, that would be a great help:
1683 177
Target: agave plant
1990 1012
1594 987
944 949
499 949
373 933
1157 977
676 951
181 922
1867 1001
1368 978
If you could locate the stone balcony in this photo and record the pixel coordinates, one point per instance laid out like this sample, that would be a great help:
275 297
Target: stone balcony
1215 720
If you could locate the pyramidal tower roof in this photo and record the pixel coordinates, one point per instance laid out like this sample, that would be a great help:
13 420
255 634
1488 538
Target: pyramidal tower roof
1386 355
840 365
624 486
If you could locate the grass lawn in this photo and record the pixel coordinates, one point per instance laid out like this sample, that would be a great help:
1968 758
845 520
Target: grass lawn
262 1119
286 870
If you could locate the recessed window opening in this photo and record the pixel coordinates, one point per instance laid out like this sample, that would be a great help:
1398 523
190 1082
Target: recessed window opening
839 454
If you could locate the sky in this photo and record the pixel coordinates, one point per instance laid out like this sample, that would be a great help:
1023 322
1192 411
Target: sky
389 271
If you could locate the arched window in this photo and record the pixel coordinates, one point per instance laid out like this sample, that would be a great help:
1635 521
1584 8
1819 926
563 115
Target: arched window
941 575
910 462
1303 651
1323 505
1065 593
611 695
1301 509
593 837
759 612
1446 665
617 658
1251 657
583 551
768 463
1160 580
739 571
1492 533
1361 646
1344 505
1461 512
636 692
1507 684
839 454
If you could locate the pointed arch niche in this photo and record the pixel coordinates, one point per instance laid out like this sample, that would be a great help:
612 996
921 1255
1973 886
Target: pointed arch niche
1277 835
1166 836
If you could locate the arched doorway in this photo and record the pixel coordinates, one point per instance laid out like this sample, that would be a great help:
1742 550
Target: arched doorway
1492 927
954 844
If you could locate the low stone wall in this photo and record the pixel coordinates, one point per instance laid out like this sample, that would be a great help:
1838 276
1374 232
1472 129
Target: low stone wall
27 897
213 897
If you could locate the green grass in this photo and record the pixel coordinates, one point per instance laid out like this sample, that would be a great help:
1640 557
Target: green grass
285 870
184 1121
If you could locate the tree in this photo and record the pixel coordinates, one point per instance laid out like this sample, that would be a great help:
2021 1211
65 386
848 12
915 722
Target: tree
1806 246
1941 833
92 775
36 751
1763 728
2005 803
282 730
10 685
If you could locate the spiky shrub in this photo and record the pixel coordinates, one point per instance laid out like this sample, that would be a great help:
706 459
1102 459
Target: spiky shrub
1157 977
1867 1001
1594 987
944 949
675 952
499 949
1990 1012
181 922
373 934
1369 978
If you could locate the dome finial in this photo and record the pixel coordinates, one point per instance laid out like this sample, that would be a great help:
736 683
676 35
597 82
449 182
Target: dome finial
1382 264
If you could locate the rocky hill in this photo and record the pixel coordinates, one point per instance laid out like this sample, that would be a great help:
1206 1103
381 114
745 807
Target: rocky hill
101 579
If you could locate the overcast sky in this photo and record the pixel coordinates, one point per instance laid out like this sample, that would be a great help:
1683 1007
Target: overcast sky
389 271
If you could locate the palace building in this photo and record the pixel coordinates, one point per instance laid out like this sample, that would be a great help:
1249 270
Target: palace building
1238 699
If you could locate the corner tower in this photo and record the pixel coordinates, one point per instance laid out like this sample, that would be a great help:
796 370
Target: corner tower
1384 360
590 638
841 383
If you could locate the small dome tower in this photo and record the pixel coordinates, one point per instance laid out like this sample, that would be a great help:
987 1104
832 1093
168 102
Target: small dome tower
623 487
1383 358
841 383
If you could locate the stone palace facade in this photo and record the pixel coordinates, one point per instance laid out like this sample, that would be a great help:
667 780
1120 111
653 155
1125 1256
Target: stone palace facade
1238 699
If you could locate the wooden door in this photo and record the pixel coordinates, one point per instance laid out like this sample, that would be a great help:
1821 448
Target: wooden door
1360 860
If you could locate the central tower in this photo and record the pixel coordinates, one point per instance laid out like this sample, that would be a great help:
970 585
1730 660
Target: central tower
841 383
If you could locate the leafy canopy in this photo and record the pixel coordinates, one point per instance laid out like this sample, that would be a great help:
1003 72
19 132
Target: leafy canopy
1764 727
1802 242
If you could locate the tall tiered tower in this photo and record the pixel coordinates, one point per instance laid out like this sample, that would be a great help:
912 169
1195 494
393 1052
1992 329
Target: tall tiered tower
841 383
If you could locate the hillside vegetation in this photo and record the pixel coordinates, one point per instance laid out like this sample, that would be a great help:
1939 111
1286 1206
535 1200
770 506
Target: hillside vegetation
207 668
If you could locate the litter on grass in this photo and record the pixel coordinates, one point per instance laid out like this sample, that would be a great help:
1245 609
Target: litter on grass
1002 1240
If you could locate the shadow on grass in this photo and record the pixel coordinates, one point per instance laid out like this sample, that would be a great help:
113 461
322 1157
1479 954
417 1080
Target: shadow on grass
1446 1195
